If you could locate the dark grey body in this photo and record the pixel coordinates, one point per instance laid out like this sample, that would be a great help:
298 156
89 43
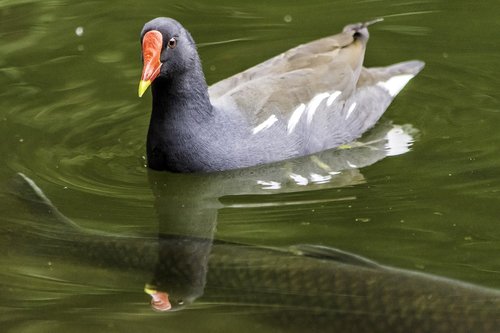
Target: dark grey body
314 97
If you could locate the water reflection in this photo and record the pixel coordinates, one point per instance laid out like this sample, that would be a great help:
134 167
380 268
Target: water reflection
85 132
328 169
305 287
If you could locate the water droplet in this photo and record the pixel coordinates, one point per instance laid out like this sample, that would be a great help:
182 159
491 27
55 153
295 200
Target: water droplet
287 18
21 140
79 31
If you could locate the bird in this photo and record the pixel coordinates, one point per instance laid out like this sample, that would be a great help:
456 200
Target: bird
313 97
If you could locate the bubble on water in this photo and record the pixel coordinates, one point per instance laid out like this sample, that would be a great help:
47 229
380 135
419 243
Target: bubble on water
79 31
287 18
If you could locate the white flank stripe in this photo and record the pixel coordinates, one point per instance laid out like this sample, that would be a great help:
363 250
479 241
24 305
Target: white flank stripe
351 108
333 97
294 119
313 105
265 124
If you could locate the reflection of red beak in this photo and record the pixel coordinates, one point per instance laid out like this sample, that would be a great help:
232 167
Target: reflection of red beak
159 301
152 44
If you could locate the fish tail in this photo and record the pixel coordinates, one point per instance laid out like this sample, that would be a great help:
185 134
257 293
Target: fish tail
28 192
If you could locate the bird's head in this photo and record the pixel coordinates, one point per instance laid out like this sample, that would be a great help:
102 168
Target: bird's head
167 50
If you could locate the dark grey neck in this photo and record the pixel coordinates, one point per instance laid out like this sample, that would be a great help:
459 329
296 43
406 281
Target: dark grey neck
181 108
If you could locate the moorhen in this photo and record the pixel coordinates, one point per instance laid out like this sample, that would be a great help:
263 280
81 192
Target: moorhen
313 97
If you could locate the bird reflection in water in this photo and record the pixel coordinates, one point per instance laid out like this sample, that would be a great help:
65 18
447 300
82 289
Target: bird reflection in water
303 287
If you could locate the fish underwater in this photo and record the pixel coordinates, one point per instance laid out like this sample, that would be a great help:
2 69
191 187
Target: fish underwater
307 288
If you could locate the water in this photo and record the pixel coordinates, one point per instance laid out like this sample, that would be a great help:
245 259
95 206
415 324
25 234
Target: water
70 119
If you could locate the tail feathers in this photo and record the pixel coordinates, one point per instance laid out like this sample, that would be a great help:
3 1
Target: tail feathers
376 89
412 67
392 78
361 29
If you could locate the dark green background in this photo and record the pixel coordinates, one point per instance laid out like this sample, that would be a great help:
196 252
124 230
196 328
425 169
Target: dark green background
70 119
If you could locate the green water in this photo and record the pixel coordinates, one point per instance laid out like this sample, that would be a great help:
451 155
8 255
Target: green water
71 120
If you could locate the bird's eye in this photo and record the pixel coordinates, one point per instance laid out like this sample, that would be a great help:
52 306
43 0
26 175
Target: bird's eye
172 43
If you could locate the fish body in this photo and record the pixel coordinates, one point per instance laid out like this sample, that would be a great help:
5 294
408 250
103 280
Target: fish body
303 288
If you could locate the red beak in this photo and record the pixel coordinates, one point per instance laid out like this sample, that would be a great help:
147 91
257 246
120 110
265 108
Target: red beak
152 44
159 299
160 302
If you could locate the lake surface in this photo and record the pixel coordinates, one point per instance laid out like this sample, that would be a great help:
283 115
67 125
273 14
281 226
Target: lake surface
70 119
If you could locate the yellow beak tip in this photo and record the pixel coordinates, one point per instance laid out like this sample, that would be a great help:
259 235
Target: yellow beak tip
143 86
149 289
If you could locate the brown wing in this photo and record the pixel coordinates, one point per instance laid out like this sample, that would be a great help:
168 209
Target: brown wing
280 84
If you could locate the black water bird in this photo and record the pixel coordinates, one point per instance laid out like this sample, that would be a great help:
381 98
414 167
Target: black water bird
310 98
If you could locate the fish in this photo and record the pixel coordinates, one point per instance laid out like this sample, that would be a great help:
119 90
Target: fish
306 287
